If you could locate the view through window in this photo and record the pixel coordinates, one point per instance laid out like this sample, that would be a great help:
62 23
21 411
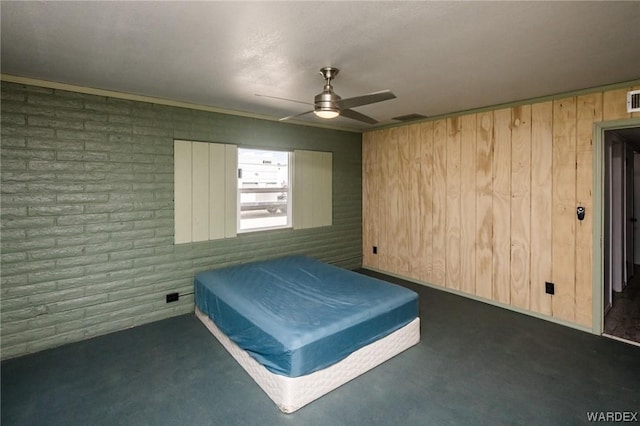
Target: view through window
263 189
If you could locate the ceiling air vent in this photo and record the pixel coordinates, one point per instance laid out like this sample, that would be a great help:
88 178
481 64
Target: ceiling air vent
410 117
633 101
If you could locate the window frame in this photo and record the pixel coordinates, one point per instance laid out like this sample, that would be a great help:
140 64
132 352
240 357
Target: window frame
289 191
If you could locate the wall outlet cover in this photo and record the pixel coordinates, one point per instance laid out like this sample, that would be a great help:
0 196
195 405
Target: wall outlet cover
549 288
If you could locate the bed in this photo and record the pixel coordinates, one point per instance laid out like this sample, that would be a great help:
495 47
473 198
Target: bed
301 328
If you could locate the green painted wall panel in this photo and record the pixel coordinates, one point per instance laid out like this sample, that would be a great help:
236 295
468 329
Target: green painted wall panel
87 212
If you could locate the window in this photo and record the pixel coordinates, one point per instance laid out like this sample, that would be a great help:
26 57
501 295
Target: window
264 195
221 190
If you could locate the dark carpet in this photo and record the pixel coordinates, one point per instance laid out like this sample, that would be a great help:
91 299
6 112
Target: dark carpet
476 364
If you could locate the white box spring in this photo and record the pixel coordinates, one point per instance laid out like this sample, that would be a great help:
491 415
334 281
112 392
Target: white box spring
292 393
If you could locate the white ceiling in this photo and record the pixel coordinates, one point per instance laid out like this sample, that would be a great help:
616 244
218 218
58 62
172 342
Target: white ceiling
437 57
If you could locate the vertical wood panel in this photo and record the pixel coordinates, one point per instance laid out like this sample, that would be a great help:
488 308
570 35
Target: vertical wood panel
589 111
520 206
384 206
564 204
439 202
426 200
305 186
502 206
541 195
298 193
615 104
452 215
231 190
403 172
393 225
468 204
322 188
375 196
200 191
301 210
312 186
368 205
217 188
182 191
521 172
415 212
484 205
366 208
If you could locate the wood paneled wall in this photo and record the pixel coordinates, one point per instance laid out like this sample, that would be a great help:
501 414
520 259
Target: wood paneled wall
484 203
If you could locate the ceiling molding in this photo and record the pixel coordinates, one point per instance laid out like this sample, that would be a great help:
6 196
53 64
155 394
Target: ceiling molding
614 86
180 104
159 101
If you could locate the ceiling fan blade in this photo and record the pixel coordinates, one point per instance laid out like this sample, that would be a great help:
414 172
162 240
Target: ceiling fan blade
283 99
294 116
355 115
370 98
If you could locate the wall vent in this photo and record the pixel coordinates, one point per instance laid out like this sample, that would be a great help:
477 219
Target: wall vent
410 117
633 101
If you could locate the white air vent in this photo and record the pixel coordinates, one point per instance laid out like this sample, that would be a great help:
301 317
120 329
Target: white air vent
633 101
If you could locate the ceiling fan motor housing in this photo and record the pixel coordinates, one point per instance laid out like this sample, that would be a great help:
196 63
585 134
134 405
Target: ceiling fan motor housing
325 101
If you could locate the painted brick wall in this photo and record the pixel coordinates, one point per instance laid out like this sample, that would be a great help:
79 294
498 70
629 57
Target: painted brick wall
87 212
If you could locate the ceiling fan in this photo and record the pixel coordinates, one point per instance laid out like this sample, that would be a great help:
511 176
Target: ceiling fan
328 104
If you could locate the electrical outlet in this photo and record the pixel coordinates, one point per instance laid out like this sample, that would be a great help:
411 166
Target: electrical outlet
549 288
173 297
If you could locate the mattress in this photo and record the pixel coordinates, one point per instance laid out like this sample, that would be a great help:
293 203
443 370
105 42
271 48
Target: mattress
296 315
292 393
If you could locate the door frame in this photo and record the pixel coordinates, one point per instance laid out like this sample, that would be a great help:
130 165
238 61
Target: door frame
598 217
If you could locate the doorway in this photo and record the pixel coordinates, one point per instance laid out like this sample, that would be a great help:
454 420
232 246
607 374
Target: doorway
620 292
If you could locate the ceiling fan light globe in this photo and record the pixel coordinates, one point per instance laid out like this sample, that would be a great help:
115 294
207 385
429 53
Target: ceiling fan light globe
327 113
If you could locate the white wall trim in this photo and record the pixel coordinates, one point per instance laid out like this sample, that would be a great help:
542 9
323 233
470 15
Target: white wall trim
598 217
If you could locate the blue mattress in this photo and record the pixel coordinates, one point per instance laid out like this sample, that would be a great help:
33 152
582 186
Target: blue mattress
296 315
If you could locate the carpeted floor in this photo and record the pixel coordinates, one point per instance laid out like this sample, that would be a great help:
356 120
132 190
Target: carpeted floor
476 364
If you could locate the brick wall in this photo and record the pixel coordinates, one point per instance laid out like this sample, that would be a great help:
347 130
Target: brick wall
87 212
